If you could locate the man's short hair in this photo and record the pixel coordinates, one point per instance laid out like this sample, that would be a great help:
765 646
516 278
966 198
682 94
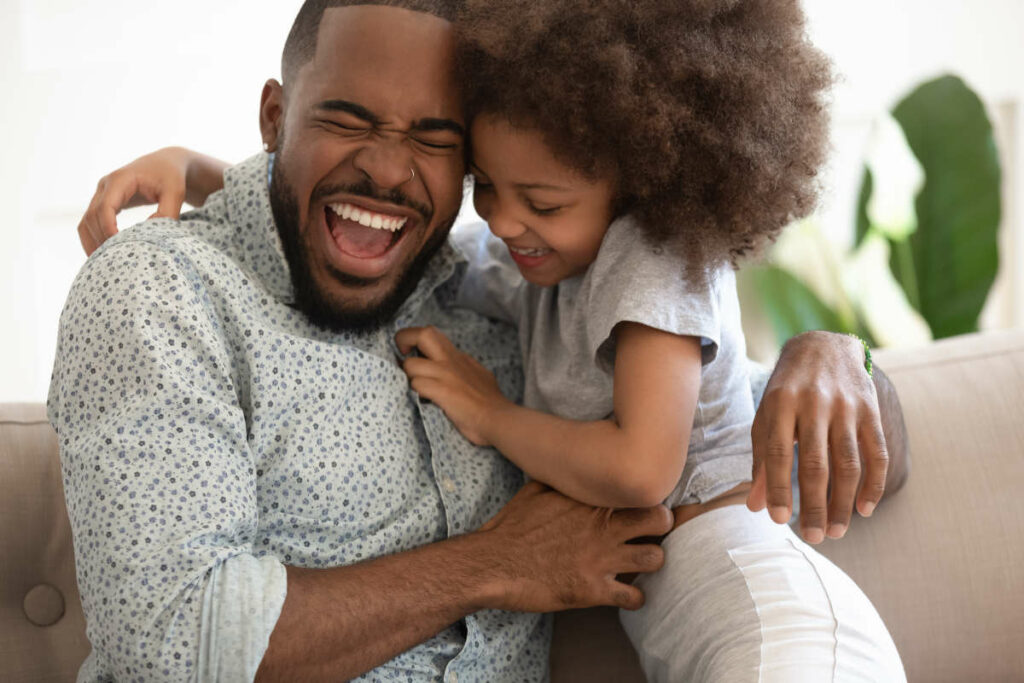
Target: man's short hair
301 44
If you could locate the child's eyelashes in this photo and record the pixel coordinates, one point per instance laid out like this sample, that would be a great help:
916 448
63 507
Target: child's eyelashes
483 187
550 211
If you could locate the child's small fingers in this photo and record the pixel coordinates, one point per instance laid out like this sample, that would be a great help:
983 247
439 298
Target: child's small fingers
432 343
427 387
421 367
406 339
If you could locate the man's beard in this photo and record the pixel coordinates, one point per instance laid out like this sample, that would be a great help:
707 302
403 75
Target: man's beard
318 306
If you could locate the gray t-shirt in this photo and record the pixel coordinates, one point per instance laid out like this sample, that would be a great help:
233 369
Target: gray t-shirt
566 337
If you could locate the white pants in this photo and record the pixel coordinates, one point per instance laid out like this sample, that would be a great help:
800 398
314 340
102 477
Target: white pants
742 598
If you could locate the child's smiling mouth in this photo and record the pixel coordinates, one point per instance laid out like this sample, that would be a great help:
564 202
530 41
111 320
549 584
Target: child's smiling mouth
531 257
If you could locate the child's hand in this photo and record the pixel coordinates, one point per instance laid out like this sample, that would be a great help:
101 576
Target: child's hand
463 388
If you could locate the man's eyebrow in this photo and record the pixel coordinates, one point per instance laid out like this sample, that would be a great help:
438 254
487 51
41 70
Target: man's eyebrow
421 126
357 110
430 125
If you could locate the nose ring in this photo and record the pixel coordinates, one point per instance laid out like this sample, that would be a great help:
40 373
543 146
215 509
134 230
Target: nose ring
412 177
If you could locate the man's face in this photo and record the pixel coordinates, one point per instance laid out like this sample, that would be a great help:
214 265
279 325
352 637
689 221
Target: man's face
368 175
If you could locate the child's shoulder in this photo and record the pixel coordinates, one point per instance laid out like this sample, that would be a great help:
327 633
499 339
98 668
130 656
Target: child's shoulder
630 260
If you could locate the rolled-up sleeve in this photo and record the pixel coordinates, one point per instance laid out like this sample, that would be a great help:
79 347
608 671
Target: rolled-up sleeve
159 479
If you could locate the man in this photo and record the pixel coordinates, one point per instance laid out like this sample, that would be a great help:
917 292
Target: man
255 493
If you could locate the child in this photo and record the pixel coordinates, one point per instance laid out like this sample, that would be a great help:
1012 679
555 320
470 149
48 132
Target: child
625 154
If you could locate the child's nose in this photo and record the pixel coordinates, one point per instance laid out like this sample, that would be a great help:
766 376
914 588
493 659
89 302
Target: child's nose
504 225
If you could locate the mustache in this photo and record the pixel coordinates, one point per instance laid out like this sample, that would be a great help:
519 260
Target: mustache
368 190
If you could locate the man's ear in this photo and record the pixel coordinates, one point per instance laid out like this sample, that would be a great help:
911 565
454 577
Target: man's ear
271 114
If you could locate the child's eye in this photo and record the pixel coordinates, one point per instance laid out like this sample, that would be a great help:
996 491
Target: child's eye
546 211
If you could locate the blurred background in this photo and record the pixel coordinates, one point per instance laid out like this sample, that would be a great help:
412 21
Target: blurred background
920 233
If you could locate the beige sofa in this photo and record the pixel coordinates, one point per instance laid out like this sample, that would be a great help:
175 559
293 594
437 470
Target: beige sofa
943 560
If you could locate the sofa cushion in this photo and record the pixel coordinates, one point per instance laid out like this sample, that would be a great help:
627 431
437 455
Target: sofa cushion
943 559
42 629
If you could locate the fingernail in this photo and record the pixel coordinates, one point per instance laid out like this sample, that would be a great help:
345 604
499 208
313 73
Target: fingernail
867 509
779 513
836 530
814 536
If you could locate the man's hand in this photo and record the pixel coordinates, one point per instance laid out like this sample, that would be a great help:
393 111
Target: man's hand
464 389
552 553
820 397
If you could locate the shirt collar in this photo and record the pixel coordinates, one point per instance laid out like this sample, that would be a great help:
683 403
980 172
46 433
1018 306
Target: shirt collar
247 193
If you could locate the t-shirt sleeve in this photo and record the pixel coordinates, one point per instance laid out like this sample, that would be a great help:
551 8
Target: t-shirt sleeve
633 281
492 284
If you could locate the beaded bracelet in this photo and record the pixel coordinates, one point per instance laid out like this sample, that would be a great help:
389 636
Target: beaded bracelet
867 355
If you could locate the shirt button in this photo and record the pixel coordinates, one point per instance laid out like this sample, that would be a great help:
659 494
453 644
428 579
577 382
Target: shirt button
448 486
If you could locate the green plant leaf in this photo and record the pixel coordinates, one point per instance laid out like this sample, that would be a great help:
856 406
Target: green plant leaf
789 304
952 258
867 186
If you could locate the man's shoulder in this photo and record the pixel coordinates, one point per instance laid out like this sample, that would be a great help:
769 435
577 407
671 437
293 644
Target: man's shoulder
196 231
199 240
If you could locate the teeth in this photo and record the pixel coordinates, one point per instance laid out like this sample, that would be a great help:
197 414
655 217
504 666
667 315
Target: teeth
528 252
369 219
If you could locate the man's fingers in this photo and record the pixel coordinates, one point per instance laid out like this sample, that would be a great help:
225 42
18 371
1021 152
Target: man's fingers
639 559
845 476
638 522
624 596
778 463
757 499
876 465
813 477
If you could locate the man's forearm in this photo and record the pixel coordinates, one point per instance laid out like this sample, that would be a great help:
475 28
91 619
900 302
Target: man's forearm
339 623
895 431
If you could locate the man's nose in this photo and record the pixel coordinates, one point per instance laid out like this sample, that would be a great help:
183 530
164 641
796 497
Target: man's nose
387 164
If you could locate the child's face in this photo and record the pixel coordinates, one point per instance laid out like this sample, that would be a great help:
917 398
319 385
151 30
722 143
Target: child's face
552 218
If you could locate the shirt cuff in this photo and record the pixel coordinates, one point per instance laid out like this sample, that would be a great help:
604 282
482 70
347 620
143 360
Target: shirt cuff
241 604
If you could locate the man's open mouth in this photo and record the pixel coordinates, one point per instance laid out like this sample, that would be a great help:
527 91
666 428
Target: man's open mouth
362 233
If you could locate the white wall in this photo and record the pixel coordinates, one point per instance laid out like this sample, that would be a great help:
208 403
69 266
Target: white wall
89 86
86 88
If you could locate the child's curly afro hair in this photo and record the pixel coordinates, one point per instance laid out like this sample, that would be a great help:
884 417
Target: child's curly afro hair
712 113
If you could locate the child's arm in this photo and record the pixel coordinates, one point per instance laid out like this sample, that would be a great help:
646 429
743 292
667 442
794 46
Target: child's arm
168 177
632 461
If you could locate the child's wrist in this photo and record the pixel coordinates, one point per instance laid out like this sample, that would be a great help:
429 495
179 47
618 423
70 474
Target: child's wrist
495 417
